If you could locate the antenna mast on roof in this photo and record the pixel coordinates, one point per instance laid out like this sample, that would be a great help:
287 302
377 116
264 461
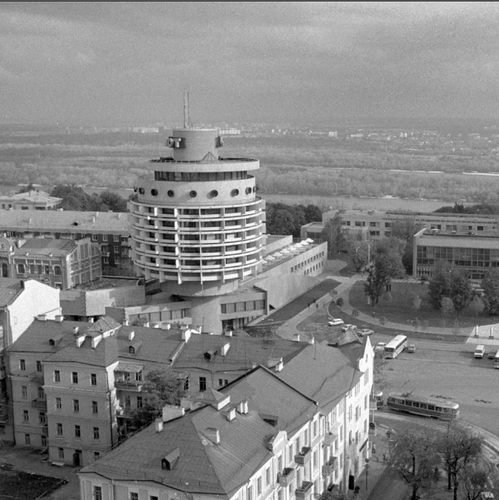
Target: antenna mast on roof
186 109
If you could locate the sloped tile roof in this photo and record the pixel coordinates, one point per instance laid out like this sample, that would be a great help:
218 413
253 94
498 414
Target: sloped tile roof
9 290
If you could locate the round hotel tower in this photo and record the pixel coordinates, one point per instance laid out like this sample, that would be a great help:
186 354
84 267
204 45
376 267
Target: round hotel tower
198 225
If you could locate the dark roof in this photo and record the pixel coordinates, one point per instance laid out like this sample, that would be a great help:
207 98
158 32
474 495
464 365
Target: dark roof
329 373
203 466
9 290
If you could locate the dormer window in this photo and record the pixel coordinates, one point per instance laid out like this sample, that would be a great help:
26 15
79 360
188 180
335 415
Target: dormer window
169 461
131 349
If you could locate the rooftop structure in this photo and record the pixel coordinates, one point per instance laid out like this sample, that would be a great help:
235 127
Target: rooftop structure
29 200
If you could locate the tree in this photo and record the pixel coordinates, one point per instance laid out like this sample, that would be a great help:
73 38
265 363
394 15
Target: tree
415 456
312 213
459 448
359 253
474 479
160 388
490 285
447 281
404 230
113 202
333 234
387 264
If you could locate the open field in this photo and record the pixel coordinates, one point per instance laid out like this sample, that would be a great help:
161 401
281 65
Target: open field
398 307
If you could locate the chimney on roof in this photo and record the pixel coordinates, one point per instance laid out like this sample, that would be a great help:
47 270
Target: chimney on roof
231 414
146 324
90 320
242 407
228 333
76 330
131 335
186 335
158 424
96 340
126 322
311 341
80 340
213 435
296 337
59 318
224 349
42 317
279 366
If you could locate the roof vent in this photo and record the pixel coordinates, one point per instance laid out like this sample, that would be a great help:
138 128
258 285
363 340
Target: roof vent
209 355
76 329
270 419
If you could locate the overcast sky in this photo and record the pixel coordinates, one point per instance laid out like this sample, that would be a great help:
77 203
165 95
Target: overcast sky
129 63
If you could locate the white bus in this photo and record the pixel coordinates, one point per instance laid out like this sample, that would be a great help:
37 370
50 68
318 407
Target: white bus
496 360
395 346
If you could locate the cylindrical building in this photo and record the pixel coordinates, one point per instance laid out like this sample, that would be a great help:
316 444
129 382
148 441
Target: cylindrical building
197 224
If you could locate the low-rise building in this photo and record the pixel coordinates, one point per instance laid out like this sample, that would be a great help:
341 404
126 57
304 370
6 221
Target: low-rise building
109 230
60 263
29 200
475 253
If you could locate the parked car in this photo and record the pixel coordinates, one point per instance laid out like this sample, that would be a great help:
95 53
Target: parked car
411 348
491 354
348 326
380 346
335 322
364 332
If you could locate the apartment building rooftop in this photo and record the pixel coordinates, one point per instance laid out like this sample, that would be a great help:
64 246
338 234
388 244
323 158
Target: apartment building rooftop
64 220
206 451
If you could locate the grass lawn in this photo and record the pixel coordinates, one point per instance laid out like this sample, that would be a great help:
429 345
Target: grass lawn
398 306
18 485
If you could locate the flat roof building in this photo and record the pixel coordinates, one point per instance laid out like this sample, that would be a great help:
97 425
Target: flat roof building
29 200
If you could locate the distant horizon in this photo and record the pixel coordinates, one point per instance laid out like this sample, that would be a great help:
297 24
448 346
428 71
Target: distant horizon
110 64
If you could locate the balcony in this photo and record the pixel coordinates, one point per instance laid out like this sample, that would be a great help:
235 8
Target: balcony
329 467
39 403
285 477
129 385
304 491
330 437
304 456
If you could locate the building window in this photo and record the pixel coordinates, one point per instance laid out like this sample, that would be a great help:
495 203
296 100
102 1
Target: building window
96 455
57 376
77 431
42 417
22 364
59 429
93 379
25 416
24 391
97 494
39 366
27 439
75 377
259 486
58 403
267 476
20 269
202 384
139 402
134 496
41 393
44 440
96 433
76 405
57 270
249 493
61 456
95 407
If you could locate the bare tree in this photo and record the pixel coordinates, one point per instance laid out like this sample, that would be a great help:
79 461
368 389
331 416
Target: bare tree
415 456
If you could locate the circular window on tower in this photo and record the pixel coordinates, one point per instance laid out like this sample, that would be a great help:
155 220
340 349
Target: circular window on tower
170 193
154 192
193 194
142 190
234 192
248 190
213 194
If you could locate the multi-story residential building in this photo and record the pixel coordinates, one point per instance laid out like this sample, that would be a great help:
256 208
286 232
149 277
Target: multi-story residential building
29 200
60 263
473 252
375 225
257 437
76 384
20 302
109 230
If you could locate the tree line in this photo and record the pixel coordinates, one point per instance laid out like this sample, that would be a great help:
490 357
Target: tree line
75 198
